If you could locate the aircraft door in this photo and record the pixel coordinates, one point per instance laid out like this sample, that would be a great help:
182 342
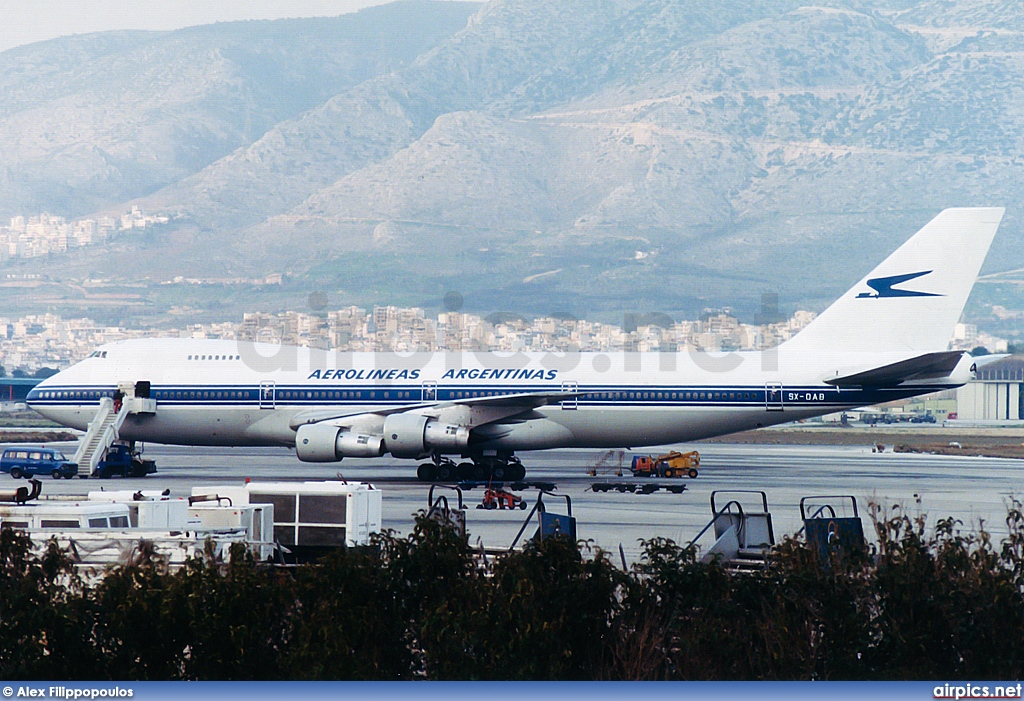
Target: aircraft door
570 386
429 392
773 396
268 394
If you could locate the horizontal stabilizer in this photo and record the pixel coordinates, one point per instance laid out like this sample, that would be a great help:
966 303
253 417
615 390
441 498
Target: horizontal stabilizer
922 367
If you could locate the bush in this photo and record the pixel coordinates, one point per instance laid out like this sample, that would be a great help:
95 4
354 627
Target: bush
45 615
921 605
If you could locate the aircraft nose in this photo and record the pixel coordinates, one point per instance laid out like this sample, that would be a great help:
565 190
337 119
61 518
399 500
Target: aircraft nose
35 396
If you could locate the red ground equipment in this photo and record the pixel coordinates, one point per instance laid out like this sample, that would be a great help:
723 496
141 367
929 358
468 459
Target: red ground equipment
497 498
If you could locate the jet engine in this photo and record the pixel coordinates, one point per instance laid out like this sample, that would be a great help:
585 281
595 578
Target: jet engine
326 443
413 436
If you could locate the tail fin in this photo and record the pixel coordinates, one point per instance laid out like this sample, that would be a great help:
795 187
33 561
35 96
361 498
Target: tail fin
913 299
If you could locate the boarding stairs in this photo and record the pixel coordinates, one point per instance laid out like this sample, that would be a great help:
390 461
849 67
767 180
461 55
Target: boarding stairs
743 537
103 431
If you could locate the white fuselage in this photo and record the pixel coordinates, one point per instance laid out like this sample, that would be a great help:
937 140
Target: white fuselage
231 393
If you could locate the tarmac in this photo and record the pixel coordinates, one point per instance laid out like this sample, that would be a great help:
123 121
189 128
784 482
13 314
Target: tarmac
974 490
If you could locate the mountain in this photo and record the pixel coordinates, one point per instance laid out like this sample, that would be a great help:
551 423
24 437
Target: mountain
94 120
512 58
592 157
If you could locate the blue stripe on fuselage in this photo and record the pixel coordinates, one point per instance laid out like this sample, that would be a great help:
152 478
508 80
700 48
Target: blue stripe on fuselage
597 396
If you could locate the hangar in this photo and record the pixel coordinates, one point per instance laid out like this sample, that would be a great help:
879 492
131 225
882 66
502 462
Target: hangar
995 394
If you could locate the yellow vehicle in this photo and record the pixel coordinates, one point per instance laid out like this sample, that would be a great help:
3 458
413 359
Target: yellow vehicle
674 464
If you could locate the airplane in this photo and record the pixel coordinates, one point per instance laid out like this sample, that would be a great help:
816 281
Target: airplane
884 339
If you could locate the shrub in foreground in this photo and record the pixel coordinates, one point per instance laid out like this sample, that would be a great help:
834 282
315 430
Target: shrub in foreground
921 604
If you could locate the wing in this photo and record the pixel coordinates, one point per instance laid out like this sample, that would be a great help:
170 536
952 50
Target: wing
478 410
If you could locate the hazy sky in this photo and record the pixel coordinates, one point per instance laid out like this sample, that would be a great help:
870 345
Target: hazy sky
26 21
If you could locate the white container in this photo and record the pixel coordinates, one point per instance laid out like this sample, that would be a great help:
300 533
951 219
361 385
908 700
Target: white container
312 514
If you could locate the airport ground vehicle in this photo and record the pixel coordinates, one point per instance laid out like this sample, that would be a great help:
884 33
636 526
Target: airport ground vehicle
123 461
674 464
29 462
496 498
637 487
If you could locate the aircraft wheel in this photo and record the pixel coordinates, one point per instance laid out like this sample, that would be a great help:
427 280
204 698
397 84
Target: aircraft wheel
478 472
425 472
443 472
499 470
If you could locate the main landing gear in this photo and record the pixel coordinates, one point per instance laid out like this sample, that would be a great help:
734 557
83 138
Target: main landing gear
481 469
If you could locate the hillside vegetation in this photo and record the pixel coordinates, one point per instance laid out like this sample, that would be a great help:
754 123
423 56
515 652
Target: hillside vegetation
749 146
939 605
